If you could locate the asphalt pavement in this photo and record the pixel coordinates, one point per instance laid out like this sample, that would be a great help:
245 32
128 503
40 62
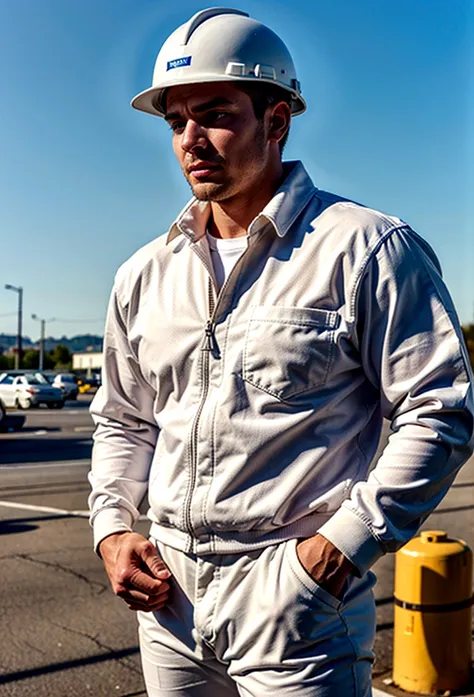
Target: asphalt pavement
64 633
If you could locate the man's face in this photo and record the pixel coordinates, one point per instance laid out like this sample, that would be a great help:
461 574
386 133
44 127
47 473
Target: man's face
220 145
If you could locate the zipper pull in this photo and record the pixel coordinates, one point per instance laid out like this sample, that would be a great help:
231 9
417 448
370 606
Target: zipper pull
209 337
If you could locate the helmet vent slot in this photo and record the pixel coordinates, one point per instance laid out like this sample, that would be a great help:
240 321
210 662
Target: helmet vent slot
200 17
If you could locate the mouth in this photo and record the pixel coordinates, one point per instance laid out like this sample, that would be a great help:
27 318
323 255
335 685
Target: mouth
202 170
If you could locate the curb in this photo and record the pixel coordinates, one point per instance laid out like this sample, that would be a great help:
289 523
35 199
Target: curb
395 691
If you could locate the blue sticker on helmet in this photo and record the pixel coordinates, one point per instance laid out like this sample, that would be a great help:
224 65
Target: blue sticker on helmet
179 63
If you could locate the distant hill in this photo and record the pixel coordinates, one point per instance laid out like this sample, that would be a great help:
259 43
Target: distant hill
9 340
81 342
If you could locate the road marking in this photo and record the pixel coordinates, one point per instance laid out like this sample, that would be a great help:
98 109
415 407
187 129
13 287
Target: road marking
44 412
70 463
80 429
49 509
44 509
59 433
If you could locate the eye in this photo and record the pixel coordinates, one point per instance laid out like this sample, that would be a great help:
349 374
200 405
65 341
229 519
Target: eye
177 126
213 116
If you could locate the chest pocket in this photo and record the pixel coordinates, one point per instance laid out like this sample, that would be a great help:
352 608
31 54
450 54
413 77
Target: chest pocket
289 350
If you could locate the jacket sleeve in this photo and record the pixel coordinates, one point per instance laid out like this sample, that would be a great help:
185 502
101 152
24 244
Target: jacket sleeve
126 432
413 353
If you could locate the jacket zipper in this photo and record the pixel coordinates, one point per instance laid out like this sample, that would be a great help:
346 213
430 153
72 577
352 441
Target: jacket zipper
206 349
209 337
208 346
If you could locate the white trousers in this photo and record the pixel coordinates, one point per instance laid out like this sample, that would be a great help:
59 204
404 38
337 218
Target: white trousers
256 624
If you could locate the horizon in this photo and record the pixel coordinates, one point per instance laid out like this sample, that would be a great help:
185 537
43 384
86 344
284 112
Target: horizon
87 180
51 337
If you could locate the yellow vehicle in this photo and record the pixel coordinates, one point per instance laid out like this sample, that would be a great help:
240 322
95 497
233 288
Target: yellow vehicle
87 384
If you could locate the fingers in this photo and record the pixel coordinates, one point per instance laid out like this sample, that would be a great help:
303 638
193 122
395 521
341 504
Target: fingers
143 569
147 606
154 562
138 579
147 603
131 594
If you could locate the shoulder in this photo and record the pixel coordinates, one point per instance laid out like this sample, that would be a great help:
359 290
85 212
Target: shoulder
350 219
359 233
137 270
353 237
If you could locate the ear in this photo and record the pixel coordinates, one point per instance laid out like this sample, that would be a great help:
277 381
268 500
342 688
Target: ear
279 122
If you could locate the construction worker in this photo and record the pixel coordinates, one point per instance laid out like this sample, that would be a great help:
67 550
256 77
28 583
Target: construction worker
251 354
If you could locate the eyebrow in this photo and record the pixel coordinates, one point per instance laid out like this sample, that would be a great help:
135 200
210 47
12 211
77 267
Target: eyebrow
207 106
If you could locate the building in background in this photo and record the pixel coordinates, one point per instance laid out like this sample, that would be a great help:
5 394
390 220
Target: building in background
88 362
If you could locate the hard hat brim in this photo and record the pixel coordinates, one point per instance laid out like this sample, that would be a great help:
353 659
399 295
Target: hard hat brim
149 100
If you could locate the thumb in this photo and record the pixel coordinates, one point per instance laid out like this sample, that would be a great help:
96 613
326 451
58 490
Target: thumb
156 565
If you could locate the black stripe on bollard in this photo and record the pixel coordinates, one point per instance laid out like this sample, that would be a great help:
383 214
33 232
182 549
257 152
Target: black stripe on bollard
447 607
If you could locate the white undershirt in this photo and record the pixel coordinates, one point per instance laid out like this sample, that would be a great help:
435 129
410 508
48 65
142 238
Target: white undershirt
225 254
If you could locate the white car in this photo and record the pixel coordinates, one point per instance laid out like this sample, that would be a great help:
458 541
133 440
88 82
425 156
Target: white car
28 390
68 384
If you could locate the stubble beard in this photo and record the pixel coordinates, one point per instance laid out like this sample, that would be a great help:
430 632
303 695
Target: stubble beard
213 191
210 192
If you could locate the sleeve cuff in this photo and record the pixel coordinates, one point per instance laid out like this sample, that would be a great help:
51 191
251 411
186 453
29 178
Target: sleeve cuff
108 521
353 538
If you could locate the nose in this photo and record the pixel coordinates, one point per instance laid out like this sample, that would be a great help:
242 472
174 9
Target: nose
193 136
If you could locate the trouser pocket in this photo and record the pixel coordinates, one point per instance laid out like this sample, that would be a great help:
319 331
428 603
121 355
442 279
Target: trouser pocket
290 636
276 611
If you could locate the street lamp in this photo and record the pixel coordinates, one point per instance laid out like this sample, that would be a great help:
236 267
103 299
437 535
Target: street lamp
43 324
18 290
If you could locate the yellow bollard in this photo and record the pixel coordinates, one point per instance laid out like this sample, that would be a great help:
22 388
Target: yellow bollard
432 629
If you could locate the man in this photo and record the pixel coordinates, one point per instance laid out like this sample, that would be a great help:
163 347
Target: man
250 357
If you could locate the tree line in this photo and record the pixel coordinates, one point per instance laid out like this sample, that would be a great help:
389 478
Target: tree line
60 358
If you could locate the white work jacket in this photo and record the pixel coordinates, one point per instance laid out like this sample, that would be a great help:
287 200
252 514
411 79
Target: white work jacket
251 414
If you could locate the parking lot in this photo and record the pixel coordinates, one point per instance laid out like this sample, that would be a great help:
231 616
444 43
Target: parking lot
64 633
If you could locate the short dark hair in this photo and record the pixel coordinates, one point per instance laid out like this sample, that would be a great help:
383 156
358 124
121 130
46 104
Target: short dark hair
264 95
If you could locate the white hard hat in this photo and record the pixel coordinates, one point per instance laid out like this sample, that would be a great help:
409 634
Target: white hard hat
221 44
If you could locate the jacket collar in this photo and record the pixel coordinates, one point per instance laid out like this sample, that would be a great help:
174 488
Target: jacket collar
283 209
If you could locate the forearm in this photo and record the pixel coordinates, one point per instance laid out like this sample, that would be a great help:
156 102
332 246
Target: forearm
126 433
121 461
410 479
412 353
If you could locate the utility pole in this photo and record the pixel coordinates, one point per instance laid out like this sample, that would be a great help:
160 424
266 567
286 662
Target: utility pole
42 335
19 346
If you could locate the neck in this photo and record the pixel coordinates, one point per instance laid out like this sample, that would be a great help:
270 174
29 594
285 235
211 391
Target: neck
232 218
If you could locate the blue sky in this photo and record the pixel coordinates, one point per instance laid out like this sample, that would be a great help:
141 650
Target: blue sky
85 180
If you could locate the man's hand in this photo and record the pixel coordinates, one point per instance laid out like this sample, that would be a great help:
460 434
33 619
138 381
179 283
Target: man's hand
325 563
136 572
